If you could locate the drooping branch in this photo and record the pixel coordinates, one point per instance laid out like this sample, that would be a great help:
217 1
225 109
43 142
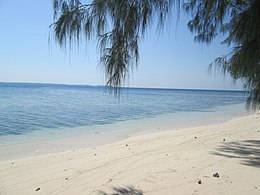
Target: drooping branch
118 24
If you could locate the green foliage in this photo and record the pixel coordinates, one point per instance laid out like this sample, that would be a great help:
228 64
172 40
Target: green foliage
239 21
119 26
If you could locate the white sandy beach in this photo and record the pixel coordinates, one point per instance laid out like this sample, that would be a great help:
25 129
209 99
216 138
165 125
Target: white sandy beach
173 162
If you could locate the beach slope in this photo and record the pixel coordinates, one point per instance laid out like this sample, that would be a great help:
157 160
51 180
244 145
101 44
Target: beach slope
216 159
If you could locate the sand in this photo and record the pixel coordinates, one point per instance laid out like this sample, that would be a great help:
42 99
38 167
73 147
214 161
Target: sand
172 162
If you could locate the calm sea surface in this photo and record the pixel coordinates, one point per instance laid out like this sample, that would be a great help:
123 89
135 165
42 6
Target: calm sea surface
30 107
47 110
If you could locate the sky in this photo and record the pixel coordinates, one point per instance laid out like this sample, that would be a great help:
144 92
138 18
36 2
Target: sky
169 60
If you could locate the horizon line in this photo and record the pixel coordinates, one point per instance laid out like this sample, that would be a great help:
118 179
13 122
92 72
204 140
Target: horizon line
123 87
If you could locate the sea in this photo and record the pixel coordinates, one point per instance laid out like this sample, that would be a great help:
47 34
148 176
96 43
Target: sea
40 119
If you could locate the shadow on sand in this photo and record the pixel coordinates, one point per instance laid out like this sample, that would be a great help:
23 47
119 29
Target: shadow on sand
247 151
128 190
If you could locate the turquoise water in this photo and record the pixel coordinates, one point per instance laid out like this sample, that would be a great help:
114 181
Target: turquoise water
35 107
40 119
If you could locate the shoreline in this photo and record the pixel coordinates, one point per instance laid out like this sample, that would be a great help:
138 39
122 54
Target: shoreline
164 162
111 133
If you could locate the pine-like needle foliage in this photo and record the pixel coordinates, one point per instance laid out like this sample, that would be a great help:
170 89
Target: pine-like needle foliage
239 20
118 24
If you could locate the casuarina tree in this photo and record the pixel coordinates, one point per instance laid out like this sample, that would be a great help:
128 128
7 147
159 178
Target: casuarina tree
120 25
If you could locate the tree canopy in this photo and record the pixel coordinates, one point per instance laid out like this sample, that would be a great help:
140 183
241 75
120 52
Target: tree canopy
119 26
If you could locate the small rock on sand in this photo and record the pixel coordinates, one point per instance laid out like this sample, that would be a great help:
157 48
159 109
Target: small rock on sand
199 182
216 175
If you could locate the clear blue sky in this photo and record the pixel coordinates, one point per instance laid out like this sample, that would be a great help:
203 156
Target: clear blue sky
171 60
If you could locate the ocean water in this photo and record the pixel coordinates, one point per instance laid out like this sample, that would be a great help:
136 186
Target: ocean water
34 113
